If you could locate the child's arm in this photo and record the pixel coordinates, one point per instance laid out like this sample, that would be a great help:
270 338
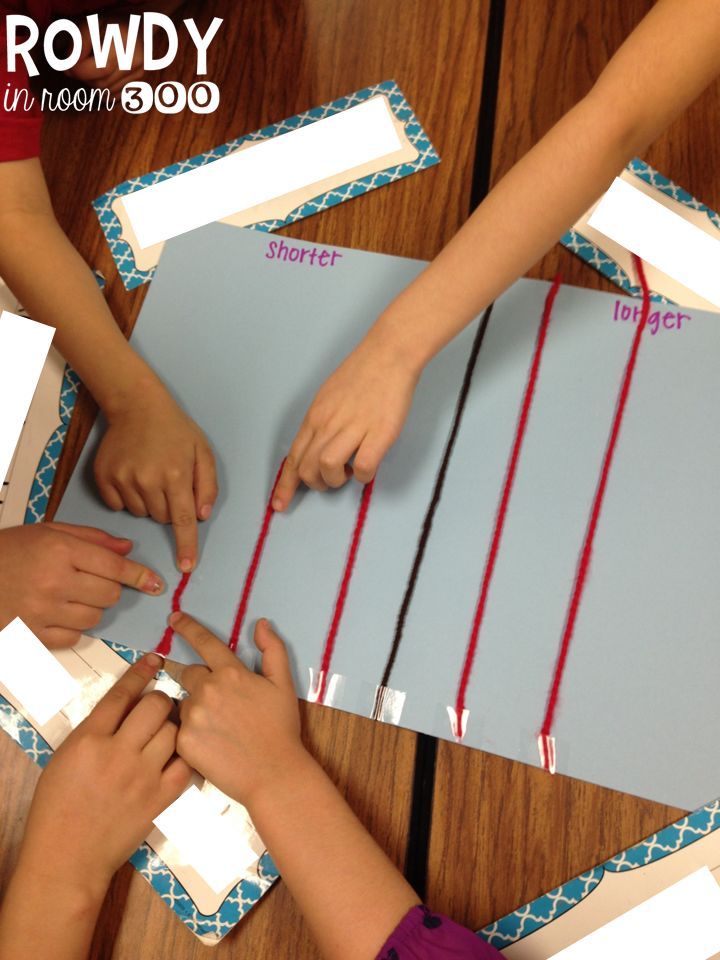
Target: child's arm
242 732
668 60
93 806
153 459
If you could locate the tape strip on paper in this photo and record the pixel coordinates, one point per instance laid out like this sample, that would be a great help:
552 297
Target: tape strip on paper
326 689
458 723
388 705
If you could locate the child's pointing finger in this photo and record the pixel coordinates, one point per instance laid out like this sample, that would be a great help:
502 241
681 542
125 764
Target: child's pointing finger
275 662
214 652
184 521
122 696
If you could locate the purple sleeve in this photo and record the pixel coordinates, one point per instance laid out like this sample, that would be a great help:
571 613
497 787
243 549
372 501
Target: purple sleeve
422 935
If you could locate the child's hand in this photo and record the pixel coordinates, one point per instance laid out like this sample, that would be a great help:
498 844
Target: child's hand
59 578
238 729
242 732
97 798
359 411
154 460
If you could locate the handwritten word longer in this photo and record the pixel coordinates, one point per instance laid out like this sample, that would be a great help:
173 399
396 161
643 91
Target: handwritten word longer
657 320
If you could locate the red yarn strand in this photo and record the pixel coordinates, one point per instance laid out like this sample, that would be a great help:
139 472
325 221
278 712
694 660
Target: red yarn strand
254 566
501 514
165 645
344 588
547 750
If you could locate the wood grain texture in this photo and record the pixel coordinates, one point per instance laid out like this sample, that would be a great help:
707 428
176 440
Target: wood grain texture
504 833
276 58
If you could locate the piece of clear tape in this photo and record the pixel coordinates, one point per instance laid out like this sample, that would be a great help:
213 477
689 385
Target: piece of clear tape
388 704
458 724
325 688
547 752
166 683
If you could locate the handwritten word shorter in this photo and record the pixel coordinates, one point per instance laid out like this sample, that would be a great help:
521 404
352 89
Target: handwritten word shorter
312 256
658 319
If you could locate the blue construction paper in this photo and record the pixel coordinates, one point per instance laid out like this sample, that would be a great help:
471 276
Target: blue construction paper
244 341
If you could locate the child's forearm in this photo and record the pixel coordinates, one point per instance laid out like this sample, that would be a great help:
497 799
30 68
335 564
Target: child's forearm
153 459
636 98
56 287
54 284
67 905
349 892
517 223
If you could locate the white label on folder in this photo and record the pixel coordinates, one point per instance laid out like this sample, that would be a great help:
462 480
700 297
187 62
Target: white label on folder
662 238
24 346
32 674
680 922
204 839
264 171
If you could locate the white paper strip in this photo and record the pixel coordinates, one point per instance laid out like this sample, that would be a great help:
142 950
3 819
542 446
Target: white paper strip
24 345
681 922
32 674
675 246
266 170
204 839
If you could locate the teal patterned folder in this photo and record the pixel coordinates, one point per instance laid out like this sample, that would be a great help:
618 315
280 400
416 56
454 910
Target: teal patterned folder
133 276
531 917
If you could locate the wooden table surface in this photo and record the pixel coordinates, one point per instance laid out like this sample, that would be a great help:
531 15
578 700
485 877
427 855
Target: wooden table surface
477 834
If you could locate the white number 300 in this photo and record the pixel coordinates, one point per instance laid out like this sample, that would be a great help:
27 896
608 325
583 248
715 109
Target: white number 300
170 97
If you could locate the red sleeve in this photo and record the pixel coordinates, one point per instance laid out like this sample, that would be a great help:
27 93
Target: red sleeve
19 128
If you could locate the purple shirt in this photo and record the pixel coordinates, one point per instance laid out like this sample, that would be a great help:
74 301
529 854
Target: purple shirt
422 935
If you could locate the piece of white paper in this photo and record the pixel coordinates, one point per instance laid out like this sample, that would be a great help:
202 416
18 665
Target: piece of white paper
24 346
204 839
659 236
680 922
266 170
32 674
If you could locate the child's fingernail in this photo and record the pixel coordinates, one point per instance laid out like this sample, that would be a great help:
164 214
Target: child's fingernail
154 585
186 565
154 661
277 504
205 511
174 617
